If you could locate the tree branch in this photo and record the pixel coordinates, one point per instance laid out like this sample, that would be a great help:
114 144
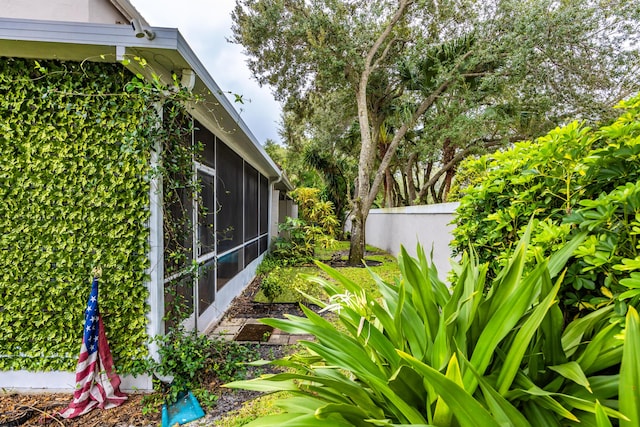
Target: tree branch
368 67
386 160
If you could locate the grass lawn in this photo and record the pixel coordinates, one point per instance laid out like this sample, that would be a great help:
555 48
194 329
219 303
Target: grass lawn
256 408
294 279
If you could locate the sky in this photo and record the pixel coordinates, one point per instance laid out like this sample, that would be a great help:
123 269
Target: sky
206 25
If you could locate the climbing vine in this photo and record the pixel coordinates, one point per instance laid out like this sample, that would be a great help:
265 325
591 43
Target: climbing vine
75 146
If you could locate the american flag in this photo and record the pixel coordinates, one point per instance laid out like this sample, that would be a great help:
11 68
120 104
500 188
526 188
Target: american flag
97 385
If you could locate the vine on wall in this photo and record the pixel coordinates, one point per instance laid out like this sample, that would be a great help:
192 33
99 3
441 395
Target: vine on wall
74 194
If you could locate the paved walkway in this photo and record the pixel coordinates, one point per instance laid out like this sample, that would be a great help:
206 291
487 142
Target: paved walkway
229 328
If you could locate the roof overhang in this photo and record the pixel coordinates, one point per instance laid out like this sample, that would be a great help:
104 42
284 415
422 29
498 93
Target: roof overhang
129 11
167 54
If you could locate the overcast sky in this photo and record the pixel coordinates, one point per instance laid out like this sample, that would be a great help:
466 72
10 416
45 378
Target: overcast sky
206 24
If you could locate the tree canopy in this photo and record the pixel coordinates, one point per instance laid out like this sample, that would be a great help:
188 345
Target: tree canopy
422 84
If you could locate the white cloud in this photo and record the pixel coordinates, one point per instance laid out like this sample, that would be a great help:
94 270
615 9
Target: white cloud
206 25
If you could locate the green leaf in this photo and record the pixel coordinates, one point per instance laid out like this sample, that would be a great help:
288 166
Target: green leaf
573 333
573 372
629 391
602 420
465 407
521 342
421 289
506 317
443 414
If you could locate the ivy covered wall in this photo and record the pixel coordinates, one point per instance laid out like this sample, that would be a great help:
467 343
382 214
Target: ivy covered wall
74 195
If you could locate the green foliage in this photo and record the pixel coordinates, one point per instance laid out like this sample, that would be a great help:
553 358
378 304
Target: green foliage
573 179
296 285
271 285
77 139
268 263
296 245
314 210
188 359
289 282
315 227
251 410
425 354
75 195
183 355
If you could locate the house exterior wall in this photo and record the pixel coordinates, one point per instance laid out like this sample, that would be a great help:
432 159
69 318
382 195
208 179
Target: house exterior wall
74 197
94 11
428 225
66 34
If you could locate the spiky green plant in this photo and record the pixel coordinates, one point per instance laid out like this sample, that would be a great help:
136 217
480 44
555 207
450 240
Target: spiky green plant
472 355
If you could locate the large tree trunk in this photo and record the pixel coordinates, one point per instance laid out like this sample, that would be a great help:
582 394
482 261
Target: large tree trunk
369 132
388 189
357 245
410 187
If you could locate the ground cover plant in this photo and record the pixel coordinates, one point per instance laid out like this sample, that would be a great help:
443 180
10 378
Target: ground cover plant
574 179
425 354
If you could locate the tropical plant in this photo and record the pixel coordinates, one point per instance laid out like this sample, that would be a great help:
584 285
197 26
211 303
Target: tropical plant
315 227
425 354
314 210
271 286
297 241
573 179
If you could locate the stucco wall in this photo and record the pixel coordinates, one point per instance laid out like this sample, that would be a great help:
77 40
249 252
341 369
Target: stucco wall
96 11
430 225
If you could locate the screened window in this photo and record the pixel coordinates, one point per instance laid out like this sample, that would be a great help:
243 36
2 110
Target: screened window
232 217
178 296
206 286
206 214
208 141
264 244
251 203
250 253
264 205
229 186
228 266
178 208
178 228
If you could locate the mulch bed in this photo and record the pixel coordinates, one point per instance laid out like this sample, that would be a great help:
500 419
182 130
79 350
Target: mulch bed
32 409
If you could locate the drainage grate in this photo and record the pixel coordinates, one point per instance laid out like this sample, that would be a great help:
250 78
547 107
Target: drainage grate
254 332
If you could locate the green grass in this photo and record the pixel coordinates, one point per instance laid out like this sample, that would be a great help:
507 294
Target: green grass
252 409
342 246
292 280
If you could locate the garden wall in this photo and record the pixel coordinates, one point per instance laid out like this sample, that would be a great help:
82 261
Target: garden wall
430 225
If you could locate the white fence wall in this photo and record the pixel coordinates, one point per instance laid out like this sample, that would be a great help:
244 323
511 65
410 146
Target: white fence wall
430 225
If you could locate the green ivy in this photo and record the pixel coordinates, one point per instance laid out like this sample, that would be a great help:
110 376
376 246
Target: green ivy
74 195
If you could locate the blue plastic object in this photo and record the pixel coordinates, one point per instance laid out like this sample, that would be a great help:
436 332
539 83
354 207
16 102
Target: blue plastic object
185 410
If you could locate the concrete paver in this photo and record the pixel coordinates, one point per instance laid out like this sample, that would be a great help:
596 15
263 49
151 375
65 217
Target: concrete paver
228 329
